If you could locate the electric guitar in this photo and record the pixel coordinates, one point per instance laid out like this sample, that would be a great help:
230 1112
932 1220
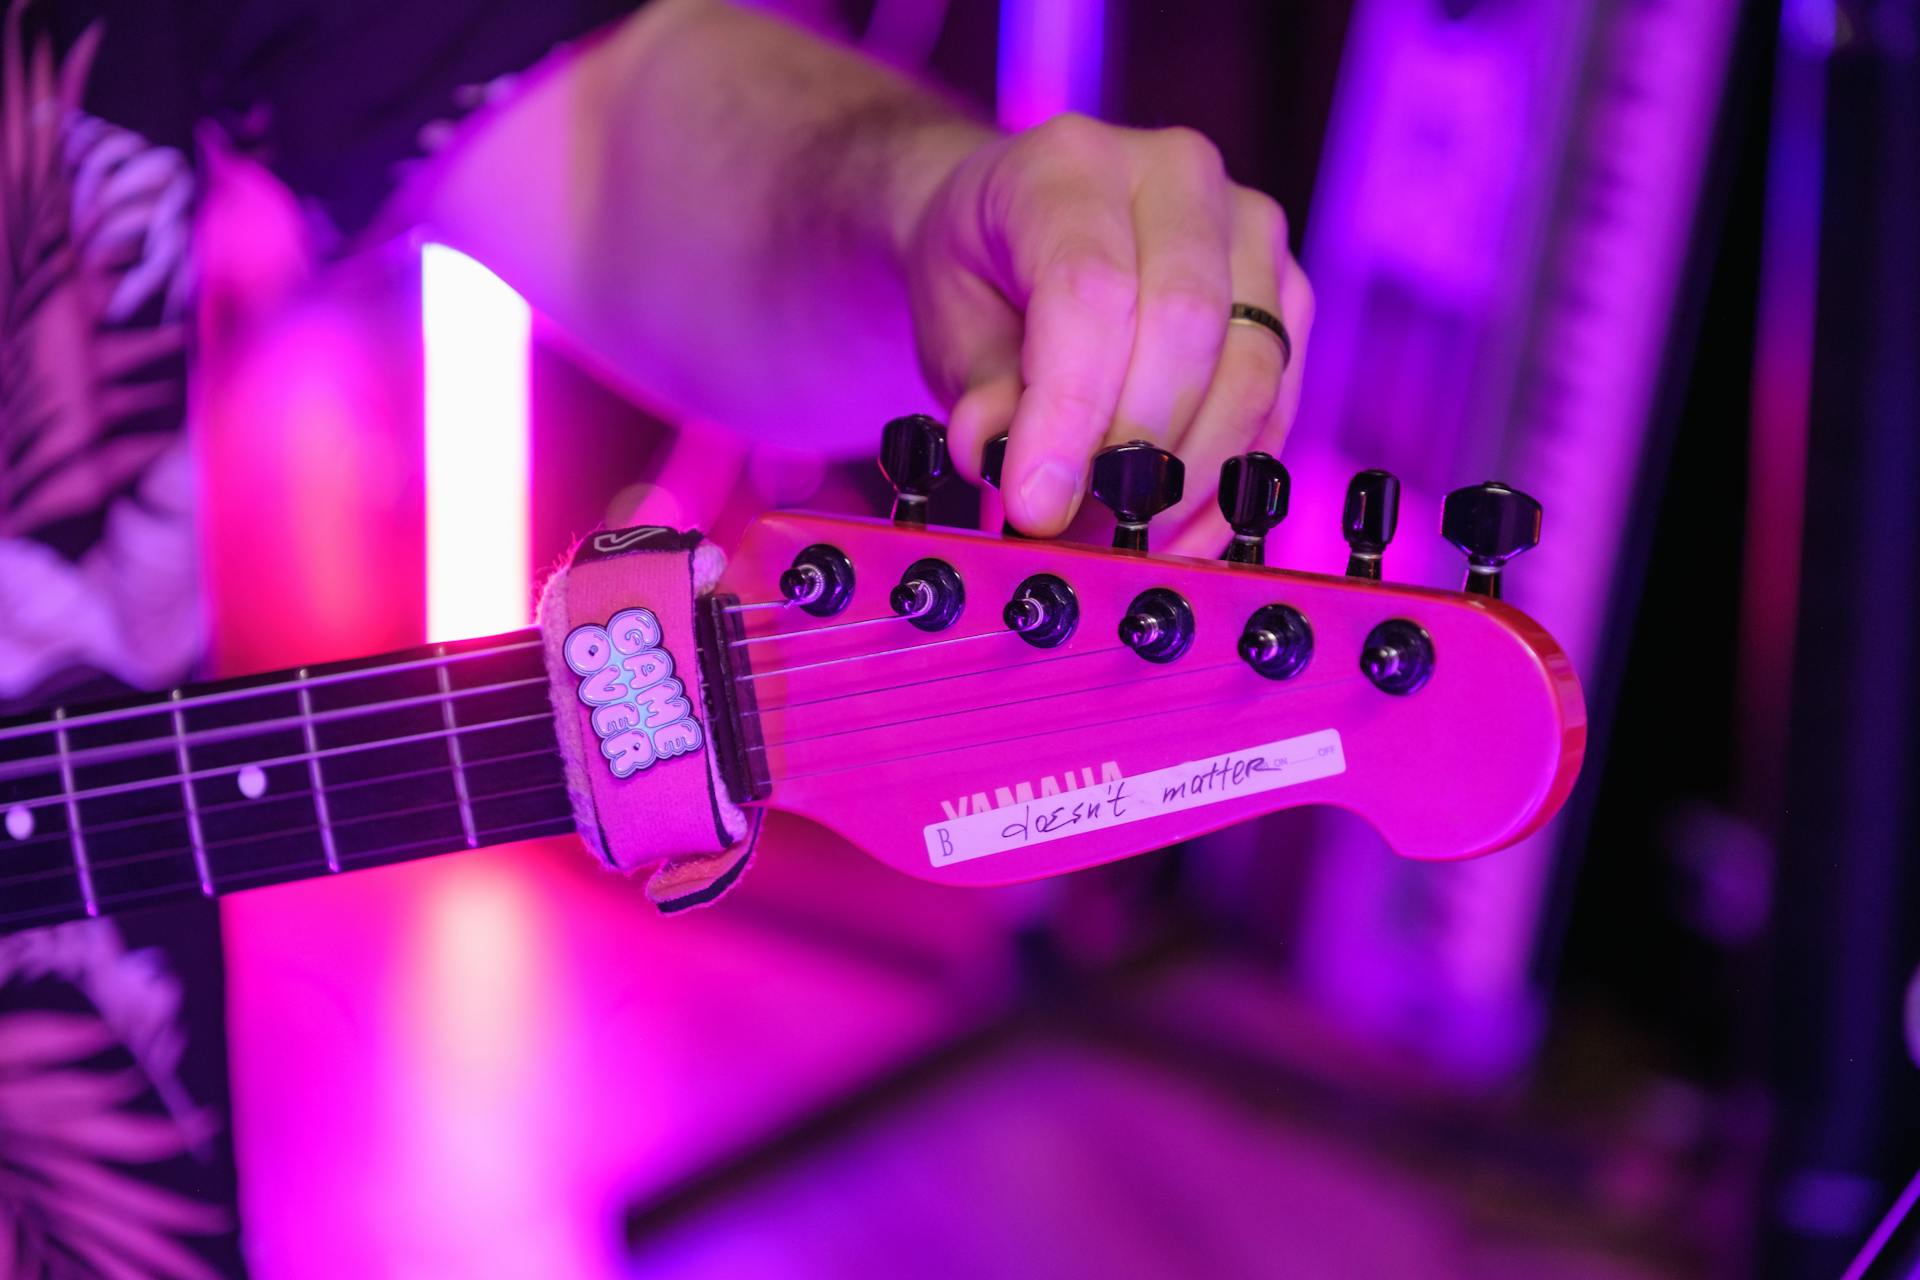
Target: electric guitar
968 708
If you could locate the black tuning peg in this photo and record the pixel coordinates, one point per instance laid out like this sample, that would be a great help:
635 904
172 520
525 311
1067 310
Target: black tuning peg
993 462
1254 491
913 457
1368 520
1136 481
1492 523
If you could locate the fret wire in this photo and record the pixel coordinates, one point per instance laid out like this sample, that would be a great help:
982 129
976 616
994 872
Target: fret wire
74 835
232 695
194 833
313 774
453 754
118 751
155 855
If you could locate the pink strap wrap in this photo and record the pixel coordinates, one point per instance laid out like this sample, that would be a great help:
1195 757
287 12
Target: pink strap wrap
623 667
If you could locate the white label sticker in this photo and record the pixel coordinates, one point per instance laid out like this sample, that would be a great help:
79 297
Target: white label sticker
1118 801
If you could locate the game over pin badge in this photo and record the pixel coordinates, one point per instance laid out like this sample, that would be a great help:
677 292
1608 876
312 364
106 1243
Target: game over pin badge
639 707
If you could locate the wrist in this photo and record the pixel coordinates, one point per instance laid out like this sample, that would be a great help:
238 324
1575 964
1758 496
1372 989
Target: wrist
860 186
925 157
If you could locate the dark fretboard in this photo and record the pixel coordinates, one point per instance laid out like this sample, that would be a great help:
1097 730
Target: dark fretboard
212 788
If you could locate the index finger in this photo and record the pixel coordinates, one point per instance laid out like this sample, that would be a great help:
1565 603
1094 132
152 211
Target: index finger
1080 313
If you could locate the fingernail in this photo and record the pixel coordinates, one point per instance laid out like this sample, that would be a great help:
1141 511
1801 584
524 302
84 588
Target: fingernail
1048 492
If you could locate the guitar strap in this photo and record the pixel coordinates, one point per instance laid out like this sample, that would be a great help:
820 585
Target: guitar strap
617 619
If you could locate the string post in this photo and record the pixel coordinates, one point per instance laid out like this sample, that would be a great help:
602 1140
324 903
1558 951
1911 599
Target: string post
803 584
820 580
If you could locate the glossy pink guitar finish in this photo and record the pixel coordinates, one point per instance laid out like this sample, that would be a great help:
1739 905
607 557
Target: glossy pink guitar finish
897 739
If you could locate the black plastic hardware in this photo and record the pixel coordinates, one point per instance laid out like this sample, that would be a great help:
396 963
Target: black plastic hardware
1254 492
993 460
733 719
1277 642
1369 519
1158 625
1136 481
913 457
820 580
1042 611
930 595
1397 656
1492 523
993 463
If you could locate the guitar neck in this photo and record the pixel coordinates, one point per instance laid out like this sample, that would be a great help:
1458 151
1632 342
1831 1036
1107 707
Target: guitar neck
209 789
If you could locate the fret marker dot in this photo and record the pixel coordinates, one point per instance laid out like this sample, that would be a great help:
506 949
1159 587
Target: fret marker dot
19 822
253 782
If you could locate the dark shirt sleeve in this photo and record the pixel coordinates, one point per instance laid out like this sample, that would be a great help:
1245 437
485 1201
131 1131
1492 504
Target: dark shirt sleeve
338 96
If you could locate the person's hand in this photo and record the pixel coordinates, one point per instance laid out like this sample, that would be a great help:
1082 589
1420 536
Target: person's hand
1071 286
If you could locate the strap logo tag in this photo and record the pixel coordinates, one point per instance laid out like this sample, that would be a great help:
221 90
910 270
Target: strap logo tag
639 707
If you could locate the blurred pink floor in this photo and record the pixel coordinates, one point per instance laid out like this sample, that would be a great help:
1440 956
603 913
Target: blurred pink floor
473 1067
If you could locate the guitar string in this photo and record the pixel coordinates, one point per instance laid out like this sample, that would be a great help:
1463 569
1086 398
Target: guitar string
114 752
455 839
1041 733
14 881
227 734
872 653
220 771
782 743
259 877
175 779
108 753
914 684
829 629
325 753
333 790
7 882
214 697
994 706
331 678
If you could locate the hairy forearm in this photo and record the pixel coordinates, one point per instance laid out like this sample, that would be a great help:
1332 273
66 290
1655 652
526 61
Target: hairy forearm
715 205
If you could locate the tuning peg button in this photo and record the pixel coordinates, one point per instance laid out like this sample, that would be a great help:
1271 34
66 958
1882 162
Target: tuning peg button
1158 625
1277 642
1254 491
993 463
1368 520
1397 656
993 460
1491 523
1136 481
913 457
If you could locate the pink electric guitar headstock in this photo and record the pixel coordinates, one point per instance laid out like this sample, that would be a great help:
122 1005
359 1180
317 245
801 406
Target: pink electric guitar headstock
978 709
